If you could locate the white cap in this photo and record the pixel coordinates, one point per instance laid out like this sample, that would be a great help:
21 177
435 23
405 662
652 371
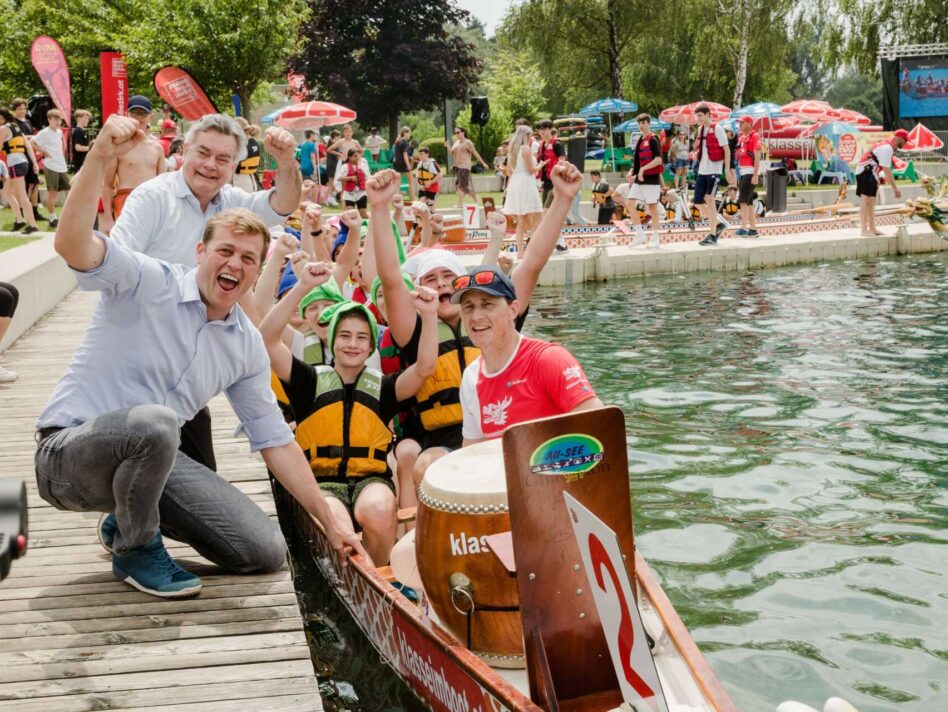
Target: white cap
436 259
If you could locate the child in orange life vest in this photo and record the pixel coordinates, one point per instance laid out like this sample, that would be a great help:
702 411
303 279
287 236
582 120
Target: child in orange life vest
428 175
729 205
343 410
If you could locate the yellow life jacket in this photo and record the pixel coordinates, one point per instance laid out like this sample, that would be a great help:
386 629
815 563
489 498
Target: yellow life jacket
344 439
17 141
439 399
424 176
251 163
730 207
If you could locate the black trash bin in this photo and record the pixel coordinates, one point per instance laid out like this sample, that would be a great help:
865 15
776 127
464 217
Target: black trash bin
777 180
576 151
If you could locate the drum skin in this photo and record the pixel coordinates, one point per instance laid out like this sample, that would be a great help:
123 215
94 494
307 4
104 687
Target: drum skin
451 537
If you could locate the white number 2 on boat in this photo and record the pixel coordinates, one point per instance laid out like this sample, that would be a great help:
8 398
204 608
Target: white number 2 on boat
621 622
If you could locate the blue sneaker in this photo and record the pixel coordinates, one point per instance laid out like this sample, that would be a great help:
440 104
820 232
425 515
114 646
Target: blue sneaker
108 526
407 591
740 232
151 569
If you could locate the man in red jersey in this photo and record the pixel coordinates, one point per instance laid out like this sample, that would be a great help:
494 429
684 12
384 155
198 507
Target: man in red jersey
515 378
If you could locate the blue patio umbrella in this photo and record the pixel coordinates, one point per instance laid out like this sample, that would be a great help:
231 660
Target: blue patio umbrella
609 106
270 118
836 128
761 108
631 126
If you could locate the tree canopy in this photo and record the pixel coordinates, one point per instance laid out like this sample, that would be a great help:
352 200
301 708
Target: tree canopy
384 58
228 47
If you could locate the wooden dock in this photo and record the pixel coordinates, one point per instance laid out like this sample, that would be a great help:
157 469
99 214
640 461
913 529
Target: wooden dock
74 638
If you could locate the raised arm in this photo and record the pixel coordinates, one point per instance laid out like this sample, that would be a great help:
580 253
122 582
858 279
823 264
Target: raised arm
425 301
108 188
566 181
280 144
349 253
75 241
497 226
265 289
401 313
271 328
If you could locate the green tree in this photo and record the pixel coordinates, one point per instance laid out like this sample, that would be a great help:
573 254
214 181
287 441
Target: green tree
386 57
858 92
513 81
229 47
860 27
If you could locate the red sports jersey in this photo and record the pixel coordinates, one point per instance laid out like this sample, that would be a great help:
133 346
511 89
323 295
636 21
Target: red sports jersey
541 379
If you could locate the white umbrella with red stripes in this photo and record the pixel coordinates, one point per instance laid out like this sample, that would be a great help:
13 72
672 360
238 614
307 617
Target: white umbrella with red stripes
922 139
313 114
686 114
812 109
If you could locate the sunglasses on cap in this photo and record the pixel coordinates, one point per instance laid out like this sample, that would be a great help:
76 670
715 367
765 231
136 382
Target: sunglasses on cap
484 278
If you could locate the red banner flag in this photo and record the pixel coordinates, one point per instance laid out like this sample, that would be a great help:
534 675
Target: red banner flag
50 63
182 93
114 84
298 91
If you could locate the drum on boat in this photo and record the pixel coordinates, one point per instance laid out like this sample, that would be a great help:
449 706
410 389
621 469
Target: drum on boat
454 229
461 501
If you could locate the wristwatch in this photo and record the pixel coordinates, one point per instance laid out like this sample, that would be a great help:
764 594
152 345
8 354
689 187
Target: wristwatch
315 233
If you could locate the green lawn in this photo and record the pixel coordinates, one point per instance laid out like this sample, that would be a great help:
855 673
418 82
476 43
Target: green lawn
8 243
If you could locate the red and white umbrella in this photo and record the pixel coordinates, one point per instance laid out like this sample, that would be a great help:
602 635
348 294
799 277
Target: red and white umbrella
313 114
769 124
686 114
854 117
922 139
810 109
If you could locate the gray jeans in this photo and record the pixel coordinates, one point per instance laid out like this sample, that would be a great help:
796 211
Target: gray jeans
128 462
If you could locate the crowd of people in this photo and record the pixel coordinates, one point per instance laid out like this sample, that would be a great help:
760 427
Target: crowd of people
352 358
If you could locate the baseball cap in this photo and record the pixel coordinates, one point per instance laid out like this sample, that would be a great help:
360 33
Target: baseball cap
137 101
490 280
745 117
901 133
168 124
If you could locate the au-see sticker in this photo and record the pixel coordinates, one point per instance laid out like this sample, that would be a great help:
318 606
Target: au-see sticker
572 456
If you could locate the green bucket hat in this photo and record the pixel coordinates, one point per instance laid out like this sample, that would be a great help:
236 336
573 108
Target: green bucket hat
338 311
328 291
377 284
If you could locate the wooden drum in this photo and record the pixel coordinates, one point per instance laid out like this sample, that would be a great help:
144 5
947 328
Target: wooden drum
454 229
461 501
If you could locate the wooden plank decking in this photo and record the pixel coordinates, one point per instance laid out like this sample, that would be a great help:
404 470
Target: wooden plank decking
74 638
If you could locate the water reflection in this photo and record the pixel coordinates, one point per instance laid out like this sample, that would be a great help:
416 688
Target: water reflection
788 454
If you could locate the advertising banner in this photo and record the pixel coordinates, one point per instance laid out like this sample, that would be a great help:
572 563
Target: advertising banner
183 93
50 63
114 84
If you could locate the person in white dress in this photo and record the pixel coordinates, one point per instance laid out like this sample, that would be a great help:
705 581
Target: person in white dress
522 198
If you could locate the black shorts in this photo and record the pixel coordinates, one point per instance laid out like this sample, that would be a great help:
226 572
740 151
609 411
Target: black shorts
19 170
866 184
361 203
31 177
427 195
705 184
449 438
745 190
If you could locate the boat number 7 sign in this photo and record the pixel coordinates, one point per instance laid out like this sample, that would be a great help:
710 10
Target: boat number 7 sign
621 622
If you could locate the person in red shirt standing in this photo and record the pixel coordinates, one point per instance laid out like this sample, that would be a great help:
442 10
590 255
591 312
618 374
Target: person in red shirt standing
876 162
748 171
515 378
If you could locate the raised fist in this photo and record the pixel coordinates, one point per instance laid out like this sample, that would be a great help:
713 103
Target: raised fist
280 144
382 186
118 136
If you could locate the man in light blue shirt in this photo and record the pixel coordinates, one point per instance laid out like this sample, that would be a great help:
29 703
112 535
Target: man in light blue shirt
163 341
165 217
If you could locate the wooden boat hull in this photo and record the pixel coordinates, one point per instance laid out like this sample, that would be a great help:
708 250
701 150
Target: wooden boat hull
448 677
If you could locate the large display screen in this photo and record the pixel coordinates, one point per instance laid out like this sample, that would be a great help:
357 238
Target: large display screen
923 87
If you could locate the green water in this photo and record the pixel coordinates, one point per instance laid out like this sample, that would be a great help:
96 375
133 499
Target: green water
789 463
